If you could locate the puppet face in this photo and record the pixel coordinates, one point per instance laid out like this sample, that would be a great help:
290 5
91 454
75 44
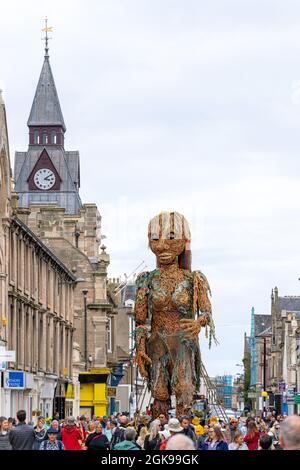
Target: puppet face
168 234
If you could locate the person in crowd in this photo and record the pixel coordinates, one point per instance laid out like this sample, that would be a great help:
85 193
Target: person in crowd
52 443
108 430
153 439
91 428
71 435
97 440
4 434
129 441
40 433
198 428
238 442
142 436
56 416
233 426
180 442
11 423
118 432
216 440
252 436
163 420
187 428
55 425
242 426
202 438
290 433
274 433
83 425
22 436
265 442
174 427
262 428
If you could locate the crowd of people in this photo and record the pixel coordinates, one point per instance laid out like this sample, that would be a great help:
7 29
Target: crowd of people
118 432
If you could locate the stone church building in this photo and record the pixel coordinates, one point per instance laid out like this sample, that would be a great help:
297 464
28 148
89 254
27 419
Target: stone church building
47 181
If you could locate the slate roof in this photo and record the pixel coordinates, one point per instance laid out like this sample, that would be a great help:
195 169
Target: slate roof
262 324
45 110
289 303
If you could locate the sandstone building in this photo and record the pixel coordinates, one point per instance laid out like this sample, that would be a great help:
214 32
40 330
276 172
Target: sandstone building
36 310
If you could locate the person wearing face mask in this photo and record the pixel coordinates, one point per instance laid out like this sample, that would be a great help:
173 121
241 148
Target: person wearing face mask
4 432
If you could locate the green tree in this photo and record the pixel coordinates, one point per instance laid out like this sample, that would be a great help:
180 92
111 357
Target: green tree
246 362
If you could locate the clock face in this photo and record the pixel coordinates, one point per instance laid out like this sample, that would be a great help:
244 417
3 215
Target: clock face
44 179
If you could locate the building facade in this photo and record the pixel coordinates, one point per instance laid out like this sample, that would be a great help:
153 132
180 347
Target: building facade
37 321
275 356
47 182
285 359
131 393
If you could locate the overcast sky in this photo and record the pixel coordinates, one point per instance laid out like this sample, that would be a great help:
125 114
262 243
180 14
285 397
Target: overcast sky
184 105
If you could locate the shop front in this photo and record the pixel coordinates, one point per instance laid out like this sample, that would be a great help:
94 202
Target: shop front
93 392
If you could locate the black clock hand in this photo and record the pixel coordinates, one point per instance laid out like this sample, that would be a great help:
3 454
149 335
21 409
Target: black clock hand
47 178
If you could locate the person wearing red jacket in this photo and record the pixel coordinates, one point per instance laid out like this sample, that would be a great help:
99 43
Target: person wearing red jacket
252 436
71 435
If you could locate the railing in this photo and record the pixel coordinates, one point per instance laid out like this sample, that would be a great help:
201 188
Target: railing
212 394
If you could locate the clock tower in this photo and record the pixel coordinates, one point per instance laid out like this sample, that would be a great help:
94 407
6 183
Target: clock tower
47 173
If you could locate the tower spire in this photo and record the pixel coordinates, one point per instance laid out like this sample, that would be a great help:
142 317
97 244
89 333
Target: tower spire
47 29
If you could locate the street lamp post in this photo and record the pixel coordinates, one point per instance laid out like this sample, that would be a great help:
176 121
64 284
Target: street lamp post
85 293
265 373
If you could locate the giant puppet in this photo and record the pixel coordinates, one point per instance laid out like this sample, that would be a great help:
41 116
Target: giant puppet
172 304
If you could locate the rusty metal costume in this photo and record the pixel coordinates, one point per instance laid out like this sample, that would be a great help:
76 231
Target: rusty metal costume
168 300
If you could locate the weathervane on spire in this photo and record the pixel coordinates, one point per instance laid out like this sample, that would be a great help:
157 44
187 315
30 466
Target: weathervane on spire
47 29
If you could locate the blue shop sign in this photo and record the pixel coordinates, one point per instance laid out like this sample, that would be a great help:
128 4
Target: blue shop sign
14 379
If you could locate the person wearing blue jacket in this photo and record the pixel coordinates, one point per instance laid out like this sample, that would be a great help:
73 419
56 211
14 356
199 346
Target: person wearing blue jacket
215 440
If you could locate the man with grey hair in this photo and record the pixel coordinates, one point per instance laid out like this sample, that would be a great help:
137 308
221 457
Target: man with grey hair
129 441
290 433
180 442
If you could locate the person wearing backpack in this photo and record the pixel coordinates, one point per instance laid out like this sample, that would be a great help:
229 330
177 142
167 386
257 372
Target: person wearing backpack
118 432
52 443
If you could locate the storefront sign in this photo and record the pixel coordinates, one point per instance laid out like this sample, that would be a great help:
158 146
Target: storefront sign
297 399
111 391
290 392
7 356
14 379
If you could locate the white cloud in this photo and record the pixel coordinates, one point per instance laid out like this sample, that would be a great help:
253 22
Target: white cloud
190 106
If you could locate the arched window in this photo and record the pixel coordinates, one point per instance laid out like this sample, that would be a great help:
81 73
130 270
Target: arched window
45 138
54 138
36 137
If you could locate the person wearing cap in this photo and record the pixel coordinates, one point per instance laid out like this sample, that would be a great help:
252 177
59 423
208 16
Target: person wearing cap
52 443
55 425
174 427
71 435
40 433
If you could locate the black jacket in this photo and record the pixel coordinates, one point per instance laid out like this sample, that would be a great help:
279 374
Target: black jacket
189 432
97 441
22 437
153 444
